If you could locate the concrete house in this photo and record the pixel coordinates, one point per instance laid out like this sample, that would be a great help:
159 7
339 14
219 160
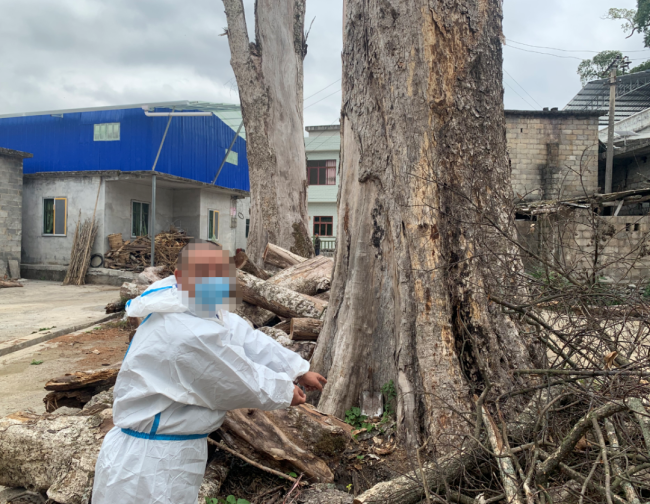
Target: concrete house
322 147
100 160
11 203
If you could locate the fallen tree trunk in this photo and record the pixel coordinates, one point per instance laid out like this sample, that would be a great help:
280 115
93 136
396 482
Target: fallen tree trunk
305 329
52 454
279 300
243 263
82 379
282 258
308 277
300 438
76 389
56 454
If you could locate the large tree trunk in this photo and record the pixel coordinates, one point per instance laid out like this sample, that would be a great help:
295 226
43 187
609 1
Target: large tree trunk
423 170
270 78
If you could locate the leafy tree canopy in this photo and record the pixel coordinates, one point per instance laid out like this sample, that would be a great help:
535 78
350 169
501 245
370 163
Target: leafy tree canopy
634 20
595 68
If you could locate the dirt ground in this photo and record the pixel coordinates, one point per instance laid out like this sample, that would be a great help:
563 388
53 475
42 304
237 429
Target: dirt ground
21 382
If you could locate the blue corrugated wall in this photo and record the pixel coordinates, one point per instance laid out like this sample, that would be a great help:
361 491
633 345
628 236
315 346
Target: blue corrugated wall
194 148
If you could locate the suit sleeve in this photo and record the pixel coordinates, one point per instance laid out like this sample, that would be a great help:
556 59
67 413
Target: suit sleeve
216 373
265 351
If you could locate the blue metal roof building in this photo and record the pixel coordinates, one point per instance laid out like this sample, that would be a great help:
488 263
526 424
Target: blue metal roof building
64 141
99 162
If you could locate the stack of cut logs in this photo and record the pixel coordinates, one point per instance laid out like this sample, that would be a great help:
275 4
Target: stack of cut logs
293 300
135 255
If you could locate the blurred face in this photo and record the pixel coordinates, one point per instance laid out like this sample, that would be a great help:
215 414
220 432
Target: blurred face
207 280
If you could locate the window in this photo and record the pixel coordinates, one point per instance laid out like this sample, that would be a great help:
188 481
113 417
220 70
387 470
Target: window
139 219
248 226
107 132
322 172
232 158
55 212
323 226
213 225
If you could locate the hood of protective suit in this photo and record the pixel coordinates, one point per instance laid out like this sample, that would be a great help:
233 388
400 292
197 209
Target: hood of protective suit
168 299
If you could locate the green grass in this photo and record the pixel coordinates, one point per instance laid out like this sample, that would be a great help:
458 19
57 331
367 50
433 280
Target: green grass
36 362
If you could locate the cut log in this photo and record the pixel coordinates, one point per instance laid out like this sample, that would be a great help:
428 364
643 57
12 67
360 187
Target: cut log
301 438
52 454
305 329
76 389
56 454
258 316
243 263
9 283
308 277
277 256
279 300
82 379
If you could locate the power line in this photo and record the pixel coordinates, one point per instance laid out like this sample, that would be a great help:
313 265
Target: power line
337 91
522 87
329 85
549 54
569 50
559 56
515 91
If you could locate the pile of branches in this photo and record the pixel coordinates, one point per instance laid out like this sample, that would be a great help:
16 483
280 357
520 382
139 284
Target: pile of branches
585 435
135 255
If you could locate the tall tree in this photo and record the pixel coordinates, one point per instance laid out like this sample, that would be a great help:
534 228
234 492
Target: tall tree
596 67
269 75
424 233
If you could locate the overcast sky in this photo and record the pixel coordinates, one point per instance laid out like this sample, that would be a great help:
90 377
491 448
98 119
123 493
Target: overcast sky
58 54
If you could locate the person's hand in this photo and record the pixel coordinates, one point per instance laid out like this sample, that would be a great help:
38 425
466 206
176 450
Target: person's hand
312 381
299 396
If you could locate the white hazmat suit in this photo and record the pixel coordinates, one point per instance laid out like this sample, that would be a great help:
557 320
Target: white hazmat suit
180 376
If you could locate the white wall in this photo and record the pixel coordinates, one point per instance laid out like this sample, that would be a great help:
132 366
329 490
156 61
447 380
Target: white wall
229 238
81 193
322 210
120 194
323 193
187 211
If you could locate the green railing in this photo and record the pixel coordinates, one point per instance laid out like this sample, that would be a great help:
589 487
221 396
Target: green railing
327 244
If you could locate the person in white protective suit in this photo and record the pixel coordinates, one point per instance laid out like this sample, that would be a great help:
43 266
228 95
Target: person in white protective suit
190 361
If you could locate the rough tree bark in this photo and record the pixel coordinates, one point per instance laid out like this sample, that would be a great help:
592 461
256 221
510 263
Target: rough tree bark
423 169
269 75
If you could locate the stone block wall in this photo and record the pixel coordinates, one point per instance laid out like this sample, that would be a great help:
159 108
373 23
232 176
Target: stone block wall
11 201
553 154
570 238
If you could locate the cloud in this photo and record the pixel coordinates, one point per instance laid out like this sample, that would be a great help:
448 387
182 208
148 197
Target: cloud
83 53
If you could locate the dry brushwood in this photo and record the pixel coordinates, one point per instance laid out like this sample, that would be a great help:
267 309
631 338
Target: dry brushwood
84 237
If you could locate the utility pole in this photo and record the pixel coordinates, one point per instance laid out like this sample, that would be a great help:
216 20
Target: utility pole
613 72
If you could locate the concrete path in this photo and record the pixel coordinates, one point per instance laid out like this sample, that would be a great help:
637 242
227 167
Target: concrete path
21 382
40 307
